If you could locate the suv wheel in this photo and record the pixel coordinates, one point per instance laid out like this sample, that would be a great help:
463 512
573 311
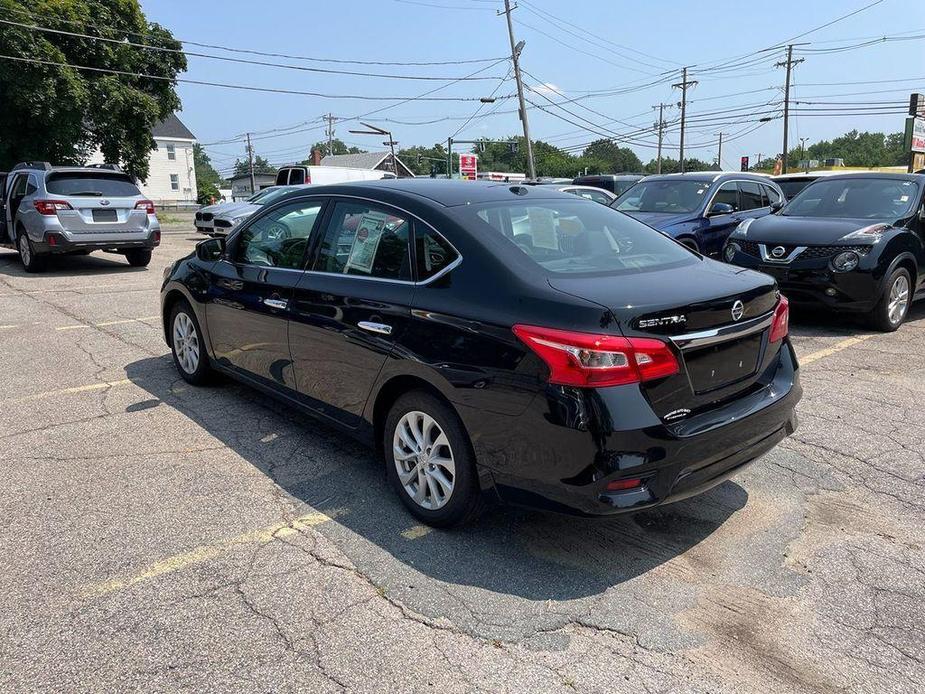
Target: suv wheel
429 461
187 346
893 306
31 261
139 257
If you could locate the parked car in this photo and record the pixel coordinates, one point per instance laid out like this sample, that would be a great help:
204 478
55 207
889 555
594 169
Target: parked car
66 210
600 195
583 364
205 216
792 183
852 242
700 209
614 183
224 222
302 174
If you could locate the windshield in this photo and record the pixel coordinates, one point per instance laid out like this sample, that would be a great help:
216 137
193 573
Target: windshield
577 236
273 194
669 196
260 194
864 198
92 185
793 186
620 187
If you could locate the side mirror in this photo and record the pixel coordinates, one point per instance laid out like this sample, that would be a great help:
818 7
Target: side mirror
775 206
210 249
720 208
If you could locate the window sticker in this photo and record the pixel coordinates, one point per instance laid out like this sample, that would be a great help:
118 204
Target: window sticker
543 228
366 242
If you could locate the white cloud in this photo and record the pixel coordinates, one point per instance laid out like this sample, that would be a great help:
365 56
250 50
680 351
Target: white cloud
547 88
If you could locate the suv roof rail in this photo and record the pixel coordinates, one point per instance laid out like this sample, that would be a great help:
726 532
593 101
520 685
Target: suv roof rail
108 167
32 165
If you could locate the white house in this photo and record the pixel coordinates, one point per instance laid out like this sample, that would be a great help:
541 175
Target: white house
171 174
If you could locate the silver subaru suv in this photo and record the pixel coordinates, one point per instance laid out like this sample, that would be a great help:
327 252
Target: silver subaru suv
63 210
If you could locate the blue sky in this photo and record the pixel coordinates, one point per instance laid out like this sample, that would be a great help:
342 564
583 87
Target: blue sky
605 45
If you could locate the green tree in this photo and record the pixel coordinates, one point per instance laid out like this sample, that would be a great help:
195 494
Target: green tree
208 180
856 149
670 165
433 159
337 147
261 166
60 113
609 157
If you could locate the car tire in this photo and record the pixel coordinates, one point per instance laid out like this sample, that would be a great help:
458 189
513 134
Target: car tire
431 435
31 261
187 345
138 257
893 306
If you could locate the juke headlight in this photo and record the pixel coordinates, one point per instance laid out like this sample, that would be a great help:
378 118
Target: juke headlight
846 261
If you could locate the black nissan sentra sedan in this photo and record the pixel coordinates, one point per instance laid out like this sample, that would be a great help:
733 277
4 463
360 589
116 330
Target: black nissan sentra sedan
852 242
494 341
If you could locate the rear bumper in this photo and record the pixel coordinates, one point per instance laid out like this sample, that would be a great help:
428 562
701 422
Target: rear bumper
563 451
57 244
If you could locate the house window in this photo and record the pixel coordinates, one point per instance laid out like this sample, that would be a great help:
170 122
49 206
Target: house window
172 152
174 181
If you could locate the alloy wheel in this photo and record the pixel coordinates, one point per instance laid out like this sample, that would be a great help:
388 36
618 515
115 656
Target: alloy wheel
24 251
424 460
899 299
186 343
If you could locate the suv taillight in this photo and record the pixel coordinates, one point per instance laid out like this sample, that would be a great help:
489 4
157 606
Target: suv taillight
780 325
50 207
146 205
587 359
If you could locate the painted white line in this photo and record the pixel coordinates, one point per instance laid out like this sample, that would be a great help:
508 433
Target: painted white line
75 389
416 531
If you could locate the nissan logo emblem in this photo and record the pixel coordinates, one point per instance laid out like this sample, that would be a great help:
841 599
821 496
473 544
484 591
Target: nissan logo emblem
104 203
779 252
738 310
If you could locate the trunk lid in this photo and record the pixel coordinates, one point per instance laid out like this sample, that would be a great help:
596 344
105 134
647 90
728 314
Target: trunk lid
721 344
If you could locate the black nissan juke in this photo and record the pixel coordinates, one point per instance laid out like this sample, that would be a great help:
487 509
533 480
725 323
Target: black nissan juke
494 341
851 242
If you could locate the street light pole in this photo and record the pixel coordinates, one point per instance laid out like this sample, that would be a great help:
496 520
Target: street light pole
375 130
515 57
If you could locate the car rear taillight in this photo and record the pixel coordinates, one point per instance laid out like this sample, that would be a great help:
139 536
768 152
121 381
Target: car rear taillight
780 325
587 359
51 207
146 205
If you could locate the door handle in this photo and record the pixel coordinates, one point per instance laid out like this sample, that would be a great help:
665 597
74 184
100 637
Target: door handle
380 328
276 303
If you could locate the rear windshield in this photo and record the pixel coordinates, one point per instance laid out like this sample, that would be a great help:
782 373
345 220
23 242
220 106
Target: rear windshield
92 185
663 196
579 236
793 186
866 198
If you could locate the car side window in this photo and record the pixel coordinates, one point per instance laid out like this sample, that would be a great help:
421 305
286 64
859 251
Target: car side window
433 253
773 195
280 238
728 194
19 186
750 195
366 240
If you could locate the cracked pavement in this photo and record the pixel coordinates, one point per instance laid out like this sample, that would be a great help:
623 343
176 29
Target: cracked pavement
160 537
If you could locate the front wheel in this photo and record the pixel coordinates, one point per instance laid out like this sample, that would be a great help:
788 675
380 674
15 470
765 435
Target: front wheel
31 261
429 461
187 345
893 306
139 257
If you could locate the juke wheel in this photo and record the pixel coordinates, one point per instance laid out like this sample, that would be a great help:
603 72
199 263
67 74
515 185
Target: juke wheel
893 306
31 261
429 461
187 346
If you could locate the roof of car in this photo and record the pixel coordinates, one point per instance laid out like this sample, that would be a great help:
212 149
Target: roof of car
440 191
882 174
810 174
615 177
710 176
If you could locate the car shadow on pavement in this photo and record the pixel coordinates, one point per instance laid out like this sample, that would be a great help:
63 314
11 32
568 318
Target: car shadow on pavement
809 321
533 555
71 265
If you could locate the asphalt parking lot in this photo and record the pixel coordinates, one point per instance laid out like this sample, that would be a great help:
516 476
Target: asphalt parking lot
161 537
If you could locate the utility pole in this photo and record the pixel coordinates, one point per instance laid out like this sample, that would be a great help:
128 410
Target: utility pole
661 132
515 57
683 85
449 157
803 151
330 132
719 154
250 164
789 63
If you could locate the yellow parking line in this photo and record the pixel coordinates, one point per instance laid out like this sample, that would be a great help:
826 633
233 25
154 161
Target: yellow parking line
207 552
838 347
103 325
7 327
416 531
75 389
114 287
